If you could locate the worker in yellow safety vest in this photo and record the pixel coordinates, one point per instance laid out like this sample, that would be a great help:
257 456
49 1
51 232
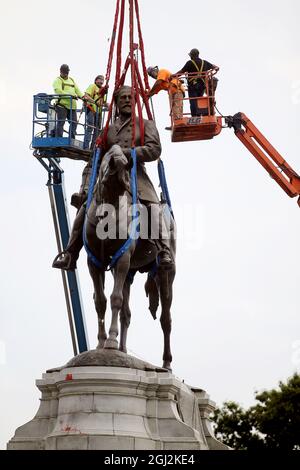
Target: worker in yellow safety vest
93 103
66 106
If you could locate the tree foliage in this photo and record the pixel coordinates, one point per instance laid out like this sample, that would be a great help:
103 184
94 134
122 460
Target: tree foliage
272 423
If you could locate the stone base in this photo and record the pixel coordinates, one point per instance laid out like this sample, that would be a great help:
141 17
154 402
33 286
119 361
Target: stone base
117 408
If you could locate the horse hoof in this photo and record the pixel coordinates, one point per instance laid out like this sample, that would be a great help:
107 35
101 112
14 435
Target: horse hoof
100 345
111 344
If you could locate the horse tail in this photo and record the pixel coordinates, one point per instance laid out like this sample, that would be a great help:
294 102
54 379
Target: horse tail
153 294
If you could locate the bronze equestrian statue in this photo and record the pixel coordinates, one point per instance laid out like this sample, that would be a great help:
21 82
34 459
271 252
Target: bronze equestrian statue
154 256
120 133
112 185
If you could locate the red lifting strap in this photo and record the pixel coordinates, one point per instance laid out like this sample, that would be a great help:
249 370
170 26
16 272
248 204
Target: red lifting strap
142 91
133 76
139 85
141 45
112 44
140 112
119 45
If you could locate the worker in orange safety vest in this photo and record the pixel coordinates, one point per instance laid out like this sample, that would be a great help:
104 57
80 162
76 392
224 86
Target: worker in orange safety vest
175 88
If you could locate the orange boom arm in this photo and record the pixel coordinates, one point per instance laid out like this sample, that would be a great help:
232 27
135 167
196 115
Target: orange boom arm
265 153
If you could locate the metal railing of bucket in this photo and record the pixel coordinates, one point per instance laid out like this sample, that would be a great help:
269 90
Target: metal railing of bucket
47 130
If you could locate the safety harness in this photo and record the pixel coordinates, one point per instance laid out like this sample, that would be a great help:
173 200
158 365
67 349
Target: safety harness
195 80
63 85
95 93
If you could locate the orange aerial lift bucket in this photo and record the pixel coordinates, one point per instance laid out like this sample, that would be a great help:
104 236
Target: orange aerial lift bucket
206 124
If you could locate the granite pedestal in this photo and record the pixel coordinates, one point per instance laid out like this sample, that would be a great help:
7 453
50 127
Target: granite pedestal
117 407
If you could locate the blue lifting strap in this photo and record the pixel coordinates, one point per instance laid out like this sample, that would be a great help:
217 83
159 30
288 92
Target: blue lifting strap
134 229
163 185
96 159
91 255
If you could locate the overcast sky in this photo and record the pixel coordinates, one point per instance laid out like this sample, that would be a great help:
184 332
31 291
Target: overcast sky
236 302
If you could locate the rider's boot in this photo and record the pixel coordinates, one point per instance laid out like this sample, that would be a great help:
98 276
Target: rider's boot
161 225
165 257
67 259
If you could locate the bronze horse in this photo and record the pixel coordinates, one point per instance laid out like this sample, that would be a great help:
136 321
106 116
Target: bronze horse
112 186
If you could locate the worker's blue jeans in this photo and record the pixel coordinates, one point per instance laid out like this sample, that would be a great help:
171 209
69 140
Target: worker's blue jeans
194 92
61 115
89 128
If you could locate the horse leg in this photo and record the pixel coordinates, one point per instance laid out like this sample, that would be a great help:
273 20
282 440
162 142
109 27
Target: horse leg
125 315
116 299
99 300
166 279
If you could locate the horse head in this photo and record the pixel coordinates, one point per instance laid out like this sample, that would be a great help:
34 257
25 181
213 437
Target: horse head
114 179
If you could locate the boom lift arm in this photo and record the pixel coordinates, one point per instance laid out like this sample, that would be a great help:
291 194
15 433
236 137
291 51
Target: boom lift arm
265 153
70 279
